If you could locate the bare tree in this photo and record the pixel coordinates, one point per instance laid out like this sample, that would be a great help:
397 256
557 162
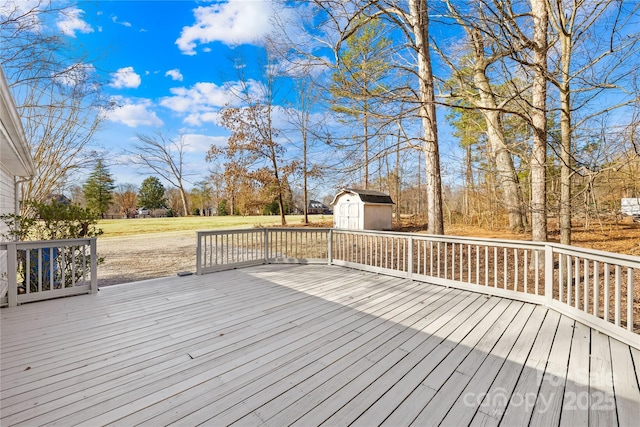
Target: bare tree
341 19
164 156
57 95
480 92
588 41
126 198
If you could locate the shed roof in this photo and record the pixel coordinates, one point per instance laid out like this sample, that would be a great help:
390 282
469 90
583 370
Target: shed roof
367 196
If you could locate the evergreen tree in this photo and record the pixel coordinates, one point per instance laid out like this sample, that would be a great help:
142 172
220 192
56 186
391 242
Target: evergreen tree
98 190
357 82
151 194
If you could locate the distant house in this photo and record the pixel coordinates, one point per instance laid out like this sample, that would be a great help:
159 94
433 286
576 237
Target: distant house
362 210
318 208
16 163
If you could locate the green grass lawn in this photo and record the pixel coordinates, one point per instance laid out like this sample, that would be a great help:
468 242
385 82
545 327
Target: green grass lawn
125 227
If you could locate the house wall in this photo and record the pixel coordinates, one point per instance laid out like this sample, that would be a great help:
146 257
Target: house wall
378 217
7 205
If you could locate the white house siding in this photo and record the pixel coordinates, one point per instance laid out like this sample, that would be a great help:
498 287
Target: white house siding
7 204
15 161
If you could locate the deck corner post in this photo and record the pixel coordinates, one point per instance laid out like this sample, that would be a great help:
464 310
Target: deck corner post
94 264
12 270
330 247
199 254
548 274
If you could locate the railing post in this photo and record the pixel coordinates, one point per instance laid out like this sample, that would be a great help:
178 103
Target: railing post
198 254
12 272
410 258
330 247
548 274
266 246
94 265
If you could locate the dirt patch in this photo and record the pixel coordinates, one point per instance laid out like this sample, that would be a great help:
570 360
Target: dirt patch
148 256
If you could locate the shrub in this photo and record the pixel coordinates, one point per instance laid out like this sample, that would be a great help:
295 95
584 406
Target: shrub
54 221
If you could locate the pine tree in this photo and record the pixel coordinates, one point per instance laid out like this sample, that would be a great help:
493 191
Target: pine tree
98 190
358 80
151 194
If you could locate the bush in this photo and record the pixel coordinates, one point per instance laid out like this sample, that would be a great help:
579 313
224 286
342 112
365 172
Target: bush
55 221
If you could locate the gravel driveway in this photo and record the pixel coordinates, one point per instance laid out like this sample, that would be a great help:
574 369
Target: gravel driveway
147 256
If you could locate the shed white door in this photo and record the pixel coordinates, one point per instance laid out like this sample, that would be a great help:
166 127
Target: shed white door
349 216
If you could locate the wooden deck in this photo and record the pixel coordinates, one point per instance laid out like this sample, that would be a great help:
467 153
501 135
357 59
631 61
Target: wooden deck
307 345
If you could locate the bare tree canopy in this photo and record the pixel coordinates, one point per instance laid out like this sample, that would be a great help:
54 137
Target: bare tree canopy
164 156
57 95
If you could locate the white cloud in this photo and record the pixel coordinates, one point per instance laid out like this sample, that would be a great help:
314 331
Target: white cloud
133 113
70 21
198 119
175 74
232 23
125 77
114 18
201 102
198 143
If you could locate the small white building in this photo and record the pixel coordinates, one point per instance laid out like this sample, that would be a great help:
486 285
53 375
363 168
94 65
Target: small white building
631 207
362 210
16 165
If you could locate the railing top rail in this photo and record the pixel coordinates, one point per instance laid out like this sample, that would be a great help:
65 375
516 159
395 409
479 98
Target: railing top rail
453 239
33 244
601 255
261 230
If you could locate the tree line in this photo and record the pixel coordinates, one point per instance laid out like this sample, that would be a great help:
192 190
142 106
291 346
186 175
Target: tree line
541 98
101 195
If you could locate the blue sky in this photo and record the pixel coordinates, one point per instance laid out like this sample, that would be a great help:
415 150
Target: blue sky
168 65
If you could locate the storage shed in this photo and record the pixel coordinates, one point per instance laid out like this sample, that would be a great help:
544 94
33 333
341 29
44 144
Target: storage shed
362 210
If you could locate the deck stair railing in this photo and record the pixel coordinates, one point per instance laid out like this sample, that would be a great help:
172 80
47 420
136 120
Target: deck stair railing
46 269
594 287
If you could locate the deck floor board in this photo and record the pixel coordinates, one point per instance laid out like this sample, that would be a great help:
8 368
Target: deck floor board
306 345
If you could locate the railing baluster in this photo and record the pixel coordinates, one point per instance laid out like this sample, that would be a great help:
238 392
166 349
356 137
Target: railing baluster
576 299
569 280
537 271
606 291
586 286
446 256
504 267
495 266
560 277
617 294
486 265
525 272
515 276
596 288
630 272
477 265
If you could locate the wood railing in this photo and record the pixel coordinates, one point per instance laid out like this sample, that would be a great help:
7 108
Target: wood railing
594 287
220 250
40 270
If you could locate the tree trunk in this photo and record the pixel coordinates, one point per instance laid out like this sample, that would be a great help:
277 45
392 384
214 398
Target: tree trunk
427 113
565 136
365 148
539 122
185 202
507 175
